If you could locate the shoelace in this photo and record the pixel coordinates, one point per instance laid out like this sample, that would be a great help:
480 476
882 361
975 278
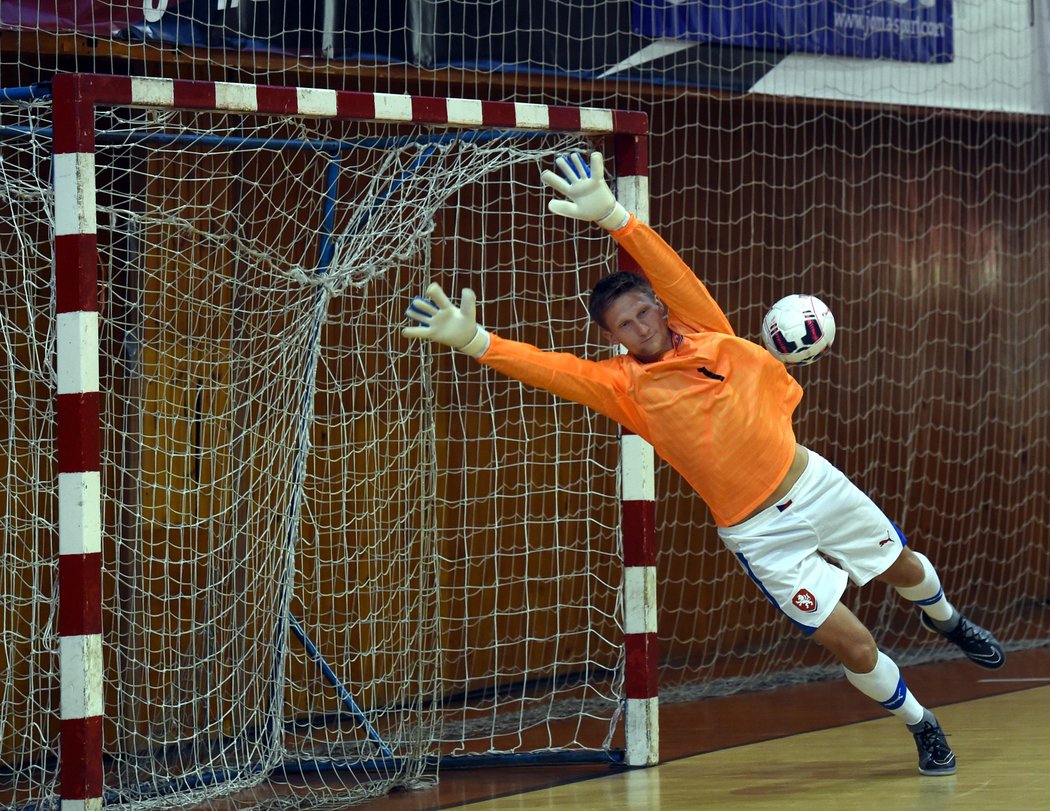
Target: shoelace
971 633
932 740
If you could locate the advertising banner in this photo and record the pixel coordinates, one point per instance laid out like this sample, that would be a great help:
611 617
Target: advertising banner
902 30
91 17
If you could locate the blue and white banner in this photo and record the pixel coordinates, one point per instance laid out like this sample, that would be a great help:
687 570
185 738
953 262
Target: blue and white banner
902 30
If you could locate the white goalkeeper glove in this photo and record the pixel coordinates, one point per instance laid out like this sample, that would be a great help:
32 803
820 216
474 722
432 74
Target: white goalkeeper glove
442 321
590 197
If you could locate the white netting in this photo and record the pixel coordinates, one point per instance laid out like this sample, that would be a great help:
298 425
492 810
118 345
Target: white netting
911 197
324 546
930 237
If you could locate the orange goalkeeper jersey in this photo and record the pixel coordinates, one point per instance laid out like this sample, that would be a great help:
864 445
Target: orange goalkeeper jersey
716 407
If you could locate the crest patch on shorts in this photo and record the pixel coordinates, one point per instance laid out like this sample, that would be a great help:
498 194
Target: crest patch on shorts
805 601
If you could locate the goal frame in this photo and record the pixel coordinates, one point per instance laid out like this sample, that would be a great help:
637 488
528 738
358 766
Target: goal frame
75 98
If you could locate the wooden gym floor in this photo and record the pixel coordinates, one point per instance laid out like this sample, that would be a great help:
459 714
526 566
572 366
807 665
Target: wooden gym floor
819 747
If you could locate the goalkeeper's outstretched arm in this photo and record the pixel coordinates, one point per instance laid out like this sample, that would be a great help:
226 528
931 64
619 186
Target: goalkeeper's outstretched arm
598 385
589 198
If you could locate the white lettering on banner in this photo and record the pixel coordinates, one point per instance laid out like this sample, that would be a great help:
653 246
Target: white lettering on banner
871 24
220 5
153 10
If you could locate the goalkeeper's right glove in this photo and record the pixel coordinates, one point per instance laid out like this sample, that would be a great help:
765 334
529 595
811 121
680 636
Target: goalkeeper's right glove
440 320
590 197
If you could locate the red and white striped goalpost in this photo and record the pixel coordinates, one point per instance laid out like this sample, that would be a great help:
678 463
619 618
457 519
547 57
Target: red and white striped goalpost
637 496
78 428
75 98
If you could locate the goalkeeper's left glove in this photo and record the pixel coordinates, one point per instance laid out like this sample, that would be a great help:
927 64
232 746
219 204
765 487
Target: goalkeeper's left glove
590 197
442 321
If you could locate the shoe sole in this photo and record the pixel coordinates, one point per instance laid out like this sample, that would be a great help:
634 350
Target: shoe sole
937 772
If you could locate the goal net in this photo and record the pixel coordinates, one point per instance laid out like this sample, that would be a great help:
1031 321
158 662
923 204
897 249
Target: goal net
913 198
330 555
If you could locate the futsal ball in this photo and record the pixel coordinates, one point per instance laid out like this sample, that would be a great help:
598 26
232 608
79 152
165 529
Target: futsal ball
798 329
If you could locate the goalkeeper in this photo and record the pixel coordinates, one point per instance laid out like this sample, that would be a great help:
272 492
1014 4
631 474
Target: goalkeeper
718 408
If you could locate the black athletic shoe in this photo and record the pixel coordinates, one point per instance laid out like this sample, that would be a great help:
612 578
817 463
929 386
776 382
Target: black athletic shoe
935 756
977 643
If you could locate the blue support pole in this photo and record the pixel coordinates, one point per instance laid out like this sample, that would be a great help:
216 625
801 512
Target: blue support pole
33 92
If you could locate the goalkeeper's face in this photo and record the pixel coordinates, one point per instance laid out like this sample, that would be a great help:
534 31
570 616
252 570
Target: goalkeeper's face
639 322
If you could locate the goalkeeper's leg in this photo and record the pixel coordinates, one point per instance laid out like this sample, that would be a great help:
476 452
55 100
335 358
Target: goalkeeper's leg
877 676
915 579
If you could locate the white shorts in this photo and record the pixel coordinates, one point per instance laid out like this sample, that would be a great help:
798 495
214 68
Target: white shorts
801 550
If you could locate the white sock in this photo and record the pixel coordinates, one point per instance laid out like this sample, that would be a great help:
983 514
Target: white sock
929 595
885 685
